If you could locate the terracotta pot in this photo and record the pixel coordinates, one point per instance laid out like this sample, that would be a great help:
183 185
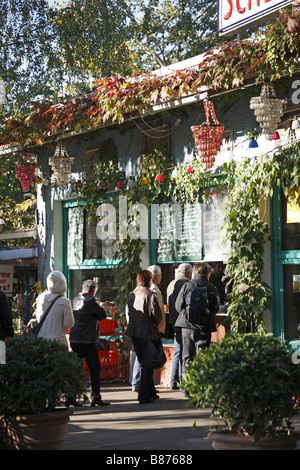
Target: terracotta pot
45 431
226 440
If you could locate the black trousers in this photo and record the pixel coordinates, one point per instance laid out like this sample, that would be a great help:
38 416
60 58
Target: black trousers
192 342
89 353
146 387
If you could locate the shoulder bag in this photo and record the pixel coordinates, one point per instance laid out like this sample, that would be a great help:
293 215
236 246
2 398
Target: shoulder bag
155 355
36 329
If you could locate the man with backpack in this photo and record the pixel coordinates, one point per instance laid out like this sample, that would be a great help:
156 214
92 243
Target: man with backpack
197 304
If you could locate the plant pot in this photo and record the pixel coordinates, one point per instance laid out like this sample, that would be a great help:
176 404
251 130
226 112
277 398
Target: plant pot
46 431
226 440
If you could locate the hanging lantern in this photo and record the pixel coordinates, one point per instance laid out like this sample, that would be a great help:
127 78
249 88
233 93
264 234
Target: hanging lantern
276 136
253 144
120 184
208 137
130 182
295 123
61 164
175 173
145 180
25 170
268 109
159 177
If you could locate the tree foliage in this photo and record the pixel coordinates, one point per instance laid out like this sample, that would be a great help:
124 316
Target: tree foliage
29 65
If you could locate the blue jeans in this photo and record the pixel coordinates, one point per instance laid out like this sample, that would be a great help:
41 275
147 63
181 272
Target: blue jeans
146 388
176 361
136 374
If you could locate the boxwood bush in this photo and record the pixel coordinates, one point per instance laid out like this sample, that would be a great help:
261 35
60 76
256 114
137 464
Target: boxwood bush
38 374
249 380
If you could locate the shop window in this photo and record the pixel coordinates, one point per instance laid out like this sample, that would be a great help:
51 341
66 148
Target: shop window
291 287
290 222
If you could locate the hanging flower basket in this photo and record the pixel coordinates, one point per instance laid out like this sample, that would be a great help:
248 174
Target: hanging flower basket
61 164
208 137
25 170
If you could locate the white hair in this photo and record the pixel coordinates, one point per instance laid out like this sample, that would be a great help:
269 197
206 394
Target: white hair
185 268
154 269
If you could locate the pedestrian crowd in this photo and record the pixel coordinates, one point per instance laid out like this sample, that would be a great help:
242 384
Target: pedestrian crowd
56 313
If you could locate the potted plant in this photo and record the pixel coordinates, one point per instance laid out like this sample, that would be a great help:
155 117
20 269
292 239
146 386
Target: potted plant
251 382
36 379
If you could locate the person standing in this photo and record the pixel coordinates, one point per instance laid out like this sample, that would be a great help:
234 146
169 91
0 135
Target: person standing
140 300
183 275
216 276
85 334
156 278
195 337
6 324
60 317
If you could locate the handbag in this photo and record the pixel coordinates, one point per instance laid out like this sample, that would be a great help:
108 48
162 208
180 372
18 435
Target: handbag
155 355
36 329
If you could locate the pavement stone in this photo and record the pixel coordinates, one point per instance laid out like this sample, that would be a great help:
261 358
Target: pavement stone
164 425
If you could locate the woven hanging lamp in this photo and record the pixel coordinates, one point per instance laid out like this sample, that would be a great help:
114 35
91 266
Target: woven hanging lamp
208 137
25 170
61 164
268 109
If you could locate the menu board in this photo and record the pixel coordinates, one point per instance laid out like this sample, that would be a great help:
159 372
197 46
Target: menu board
216 248
192 232
178 232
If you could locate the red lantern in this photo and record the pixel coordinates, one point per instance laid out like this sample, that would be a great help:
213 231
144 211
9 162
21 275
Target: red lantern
159 177
120 184
25 170
208 137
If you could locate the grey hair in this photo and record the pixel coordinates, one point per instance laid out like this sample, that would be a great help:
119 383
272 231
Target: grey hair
89 286
154 269
185 268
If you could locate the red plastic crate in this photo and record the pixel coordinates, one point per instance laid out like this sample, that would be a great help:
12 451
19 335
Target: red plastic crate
108 364
107 326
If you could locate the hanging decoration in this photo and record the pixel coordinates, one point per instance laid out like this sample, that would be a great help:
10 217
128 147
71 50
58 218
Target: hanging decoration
253 143
120 184
25 170
61 164
276 136
159 177
208 137
268 109
131 182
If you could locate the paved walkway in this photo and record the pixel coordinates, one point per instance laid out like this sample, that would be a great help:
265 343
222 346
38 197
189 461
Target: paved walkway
164 425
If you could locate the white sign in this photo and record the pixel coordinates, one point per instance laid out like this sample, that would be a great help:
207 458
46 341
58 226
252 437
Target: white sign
6 278
237 15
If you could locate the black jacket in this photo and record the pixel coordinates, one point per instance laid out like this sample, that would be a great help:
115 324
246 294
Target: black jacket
6 326
87 314
183 300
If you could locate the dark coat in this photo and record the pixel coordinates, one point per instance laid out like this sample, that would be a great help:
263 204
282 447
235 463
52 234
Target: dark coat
173 290
87 314
183 300
6 325
138 312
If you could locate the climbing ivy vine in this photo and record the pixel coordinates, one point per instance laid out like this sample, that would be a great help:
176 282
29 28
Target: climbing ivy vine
253 183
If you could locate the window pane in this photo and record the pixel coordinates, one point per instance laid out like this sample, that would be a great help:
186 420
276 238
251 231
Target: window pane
107 289
290 223
291 287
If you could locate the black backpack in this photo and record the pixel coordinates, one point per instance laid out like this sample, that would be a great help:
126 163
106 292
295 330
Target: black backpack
198 312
